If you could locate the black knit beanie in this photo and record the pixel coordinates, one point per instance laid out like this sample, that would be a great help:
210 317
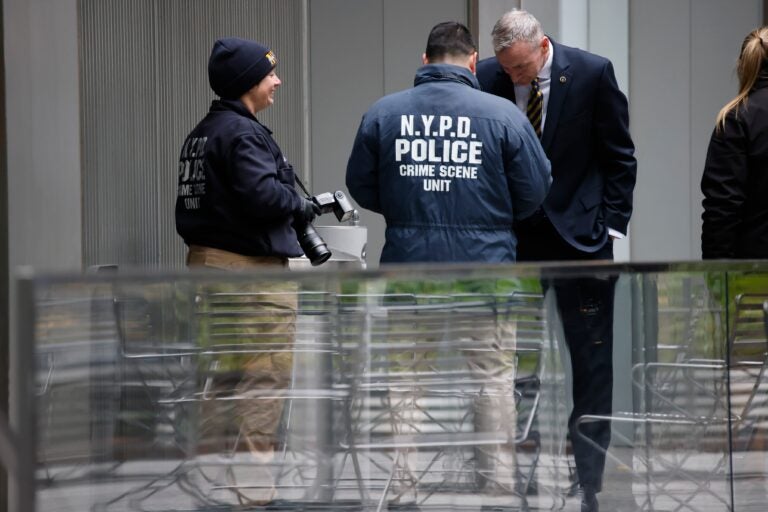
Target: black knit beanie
236 65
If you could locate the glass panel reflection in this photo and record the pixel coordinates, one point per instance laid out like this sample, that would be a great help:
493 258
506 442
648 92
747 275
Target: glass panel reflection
447 389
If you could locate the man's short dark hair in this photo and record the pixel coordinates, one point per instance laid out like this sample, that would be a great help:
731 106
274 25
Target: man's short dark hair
449 38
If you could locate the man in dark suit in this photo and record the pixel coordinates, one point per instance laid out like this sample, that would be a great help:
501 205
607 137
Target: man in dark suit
574 103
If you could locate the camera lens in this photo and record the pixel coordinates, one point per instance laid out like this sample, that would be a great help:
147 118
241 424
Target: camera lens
313 246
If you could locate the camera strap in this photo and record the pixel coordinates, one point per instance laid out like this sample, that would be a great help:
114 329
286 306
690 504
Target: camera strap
301 186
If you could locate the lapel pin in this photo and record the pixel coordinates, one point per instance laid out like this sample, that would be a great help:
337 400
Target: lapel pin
563 79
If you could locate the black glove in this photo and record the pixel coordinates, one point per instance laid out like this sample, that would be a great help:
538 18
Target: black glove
309 210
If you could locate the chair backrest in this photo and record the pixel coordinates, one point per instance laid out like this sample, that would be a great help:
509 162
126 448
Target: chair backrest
765 317
444 348
749 343
748 352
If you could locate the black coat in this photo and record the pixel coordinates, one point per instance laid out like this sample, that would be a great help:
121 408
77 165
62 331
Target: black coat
586 137
236 189
735 183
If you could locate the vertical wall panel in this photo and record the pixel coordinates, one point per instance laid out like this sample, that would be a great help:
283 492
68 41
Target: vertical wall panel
144 86
380 43
118 131
681 73
548 13
4 274
660 111
347 75
406 29
44 213
574 23
488 12
608 35
713 84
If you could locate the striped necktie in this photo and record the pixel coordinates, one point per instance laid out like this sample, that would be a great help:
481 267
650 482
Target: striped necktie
535 106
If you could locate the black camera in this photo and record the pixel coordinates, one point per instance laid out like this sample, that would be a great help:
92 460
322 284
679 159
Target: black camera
314 247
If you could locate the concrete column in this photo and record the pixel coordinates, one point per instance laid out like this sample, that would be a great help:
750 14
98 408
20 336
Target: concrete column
43 136
40 221
4 298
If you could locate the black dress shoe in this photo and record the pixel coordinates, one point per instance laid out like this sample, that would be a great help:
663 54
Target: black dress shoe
403 507
283 505
588 499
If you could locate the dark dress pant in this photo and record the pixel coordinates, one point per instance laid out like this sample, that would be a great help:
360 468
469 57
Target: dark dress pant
585 305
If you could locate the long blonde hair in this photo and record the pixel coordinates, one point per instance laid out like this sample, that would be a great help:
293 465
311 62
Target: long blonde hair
753 60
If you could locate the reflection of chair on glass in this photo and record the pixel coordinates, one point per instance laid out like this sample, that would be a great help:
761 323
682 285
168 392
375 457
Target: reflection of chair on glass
748 388
531 334
694 412
156 375
246 339
258 432
212 405
102 377
432 395
153 438
76 387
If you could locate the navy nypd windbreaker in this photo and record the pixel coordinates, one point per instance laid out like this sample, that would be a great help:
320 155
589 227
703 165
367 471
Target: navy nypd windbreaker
235 188
449 167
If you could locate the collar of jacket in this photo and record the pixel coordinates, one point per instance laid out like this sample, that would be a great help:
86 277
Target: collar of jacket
445 73
237 107
762 81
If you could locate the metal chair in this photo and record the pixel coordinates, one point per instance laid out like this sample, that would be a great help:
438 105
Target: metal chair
77 391
263 352
696 412
156 373
427 378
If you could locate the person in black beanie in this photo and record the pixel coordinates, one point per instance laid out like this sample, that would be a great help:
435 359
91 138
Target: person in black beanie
236 189
236 209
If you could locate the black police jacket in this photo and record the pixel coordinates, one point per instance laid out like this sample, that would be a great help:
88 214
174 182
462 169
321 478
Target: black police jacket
735 182
235 188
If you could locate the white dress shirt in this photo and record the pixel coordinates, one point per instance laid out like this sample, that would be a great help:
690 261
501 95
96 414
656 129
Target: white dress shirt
522 92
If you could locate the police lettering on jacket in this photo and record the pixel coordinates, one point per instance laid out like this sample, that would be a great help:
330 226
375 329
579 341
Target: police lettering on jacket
449 167
438 149
192 172
235 189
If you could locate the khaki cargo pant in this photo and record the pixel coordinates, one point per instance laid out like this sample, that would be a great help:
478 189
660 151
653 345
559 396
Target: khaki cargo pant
248 330
490 362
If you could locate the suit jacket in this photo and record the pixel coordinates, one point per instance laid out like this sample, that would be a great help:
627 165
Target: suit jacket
586 137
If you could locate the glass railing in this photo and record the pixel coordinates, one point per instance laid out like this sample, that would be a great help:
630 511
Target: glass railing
414 388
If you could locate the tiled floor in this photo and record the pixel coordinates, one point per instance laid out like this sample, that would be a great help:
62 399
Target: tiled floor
180 488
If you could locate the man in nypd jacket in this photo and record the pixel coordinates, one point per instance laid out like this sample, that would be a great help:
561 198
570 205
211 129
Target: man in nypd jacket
448 166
